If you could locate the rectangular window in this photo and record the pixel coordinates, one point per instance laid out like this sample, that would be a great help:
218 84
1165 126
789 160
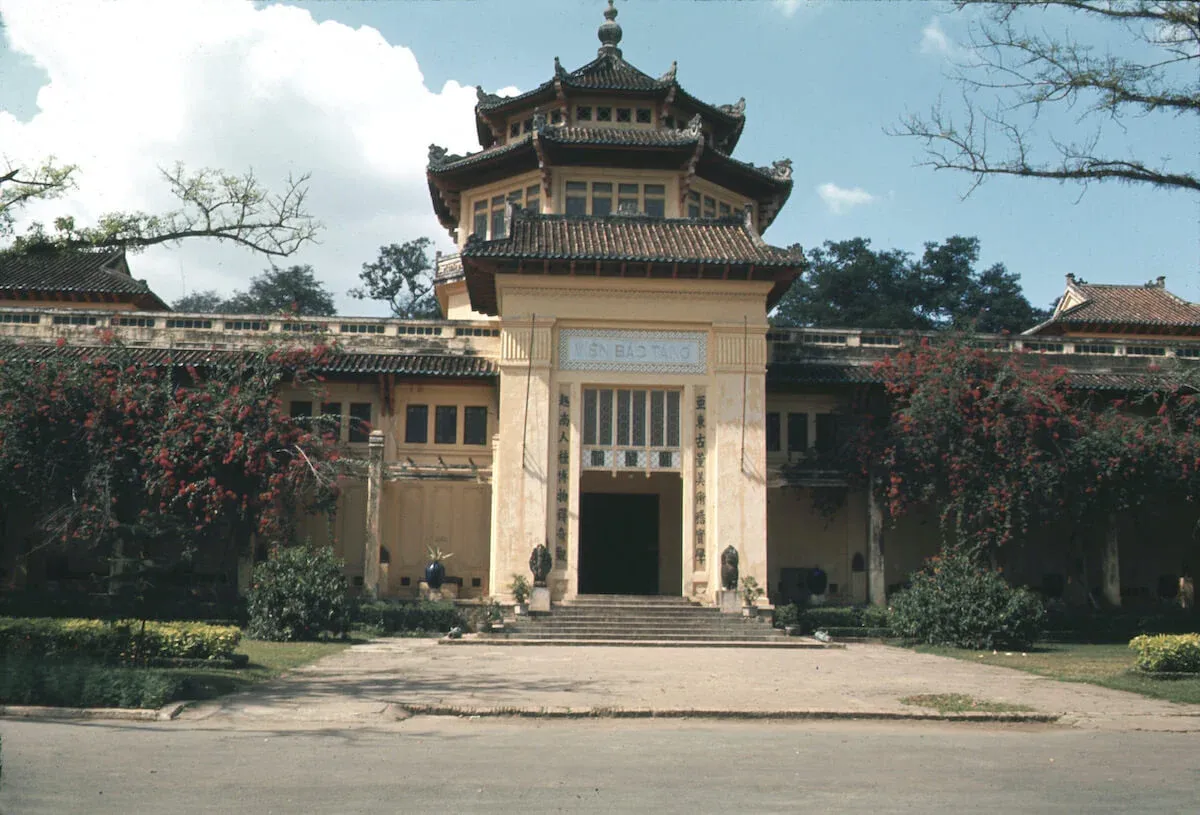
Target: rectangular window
624 114
527 125
301 410
556 117
360 421
657 416
827 432
710 207
479 227
627 198
533 198
656 200
639 418
589 417
672 418
474 425
693 205
416 424
583 113
601 198
445 425
644 116
797 432
623 418
724 210
773 429
576 198
514 130
497 217
605 433
603 114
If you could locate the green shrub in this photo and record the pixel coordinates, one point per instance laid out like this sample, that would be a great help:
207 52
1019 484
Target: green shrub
29 680
789 615
298 593
1167 653
115 642
395 617
954 602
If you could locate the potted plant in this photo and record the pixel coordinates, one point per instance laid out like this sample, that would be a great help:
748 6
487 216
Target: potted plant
435 572
751 591
520 592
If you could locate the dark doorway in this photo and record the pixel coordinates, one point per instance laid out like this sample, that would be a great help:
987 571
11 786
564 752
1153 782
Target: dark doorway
618 543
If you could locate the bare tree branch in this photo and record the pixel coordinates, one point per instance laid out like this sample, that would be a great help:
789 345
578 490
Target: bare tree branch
1025 72
212 204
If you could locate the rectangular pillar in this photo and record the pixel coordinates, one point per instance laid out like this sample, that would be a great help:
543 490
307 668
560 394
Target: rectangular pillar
523 478
373 537
876 578
1111 564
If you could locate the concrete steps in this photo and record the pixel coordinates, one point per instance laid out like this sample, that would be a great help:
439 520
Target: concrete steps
626 619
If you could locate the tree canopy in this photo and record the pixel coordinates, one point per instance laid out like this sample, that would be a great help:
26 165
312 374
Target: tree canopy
849 284
291 290
1024 60
402 277
212 204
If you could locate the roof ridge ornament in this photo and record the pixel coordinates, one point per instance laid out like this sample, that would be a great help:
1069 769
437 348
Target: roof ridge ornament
738 108
559 71
782 169
482 97
694 126
609 33
669 76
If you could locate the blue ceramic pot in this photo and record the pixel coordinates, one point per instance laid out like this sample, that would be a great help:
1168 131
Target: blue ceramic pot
435 575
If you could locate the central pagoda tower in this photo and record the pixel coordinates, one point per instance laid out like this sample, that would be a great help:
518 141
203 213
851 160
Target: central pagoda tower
607 227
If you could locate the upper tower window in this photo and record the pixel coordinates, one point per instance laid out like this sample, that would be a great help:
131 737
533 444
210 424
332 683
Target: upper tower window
604 113
583 113
644 116
491 210
596 198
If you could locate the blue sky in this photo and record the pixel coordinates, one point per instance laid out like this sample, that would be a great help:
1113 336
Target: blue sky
822 83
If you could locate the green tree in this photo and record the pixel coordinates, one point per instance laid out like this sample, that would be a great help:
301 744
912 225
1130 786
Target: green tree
294 290
203 302
848 284
402 277
1025 59
211 204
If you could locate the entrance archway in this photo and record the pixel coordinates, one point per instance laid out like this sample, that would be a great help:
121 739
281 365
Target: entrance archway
630 529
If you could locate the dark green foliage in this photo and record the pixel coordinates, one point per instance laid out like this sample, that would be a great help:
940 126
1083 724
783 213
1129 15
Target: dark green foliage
1086 625
298 593
844 621
848 284
116 642
181 606
291 290
957 603
393 617
32 680
402 277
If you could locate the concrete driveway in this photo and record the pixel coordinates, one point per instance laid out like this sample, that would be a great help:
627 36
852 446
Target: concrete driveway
380 680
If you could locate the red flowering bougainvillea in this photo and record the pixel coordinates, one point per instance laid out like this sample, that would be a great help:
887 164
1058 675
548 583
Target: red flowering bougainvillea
103 448
999 442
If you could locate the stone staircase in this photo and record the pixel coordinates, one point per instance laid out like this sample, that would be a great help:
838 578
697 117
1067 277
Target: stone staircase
610 619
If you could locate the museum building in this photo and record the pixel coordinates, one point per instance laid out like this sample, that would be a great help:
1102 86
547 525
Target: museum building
605 380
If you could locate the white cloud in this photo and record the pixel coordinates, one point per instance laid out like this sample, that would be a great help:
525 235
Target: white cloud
222 83
790 7
935 40
841 200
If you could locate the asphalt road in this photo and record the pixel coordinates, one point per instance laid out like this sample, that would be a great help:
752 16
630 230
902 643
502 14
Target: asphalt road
449 765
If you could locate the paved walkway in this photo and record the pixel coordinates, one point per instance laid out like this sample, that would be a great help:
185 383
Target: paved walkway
375 681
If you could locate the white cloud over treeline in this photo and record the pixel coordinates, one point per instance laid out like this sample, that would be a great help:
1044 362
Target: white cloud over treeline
140 84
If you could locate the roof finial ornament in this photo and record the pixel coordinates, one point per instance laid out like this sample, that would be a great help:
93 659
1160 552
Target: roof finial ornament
610 32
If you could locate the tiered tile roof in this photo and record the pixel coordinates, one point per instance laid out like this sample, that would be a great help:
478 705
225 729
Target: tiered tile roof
1149 308
77 275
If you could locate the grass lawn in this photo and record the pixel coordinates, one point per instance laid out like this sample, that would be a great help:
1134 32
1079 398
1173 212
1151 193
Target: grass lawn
267 661
1106 665
961 703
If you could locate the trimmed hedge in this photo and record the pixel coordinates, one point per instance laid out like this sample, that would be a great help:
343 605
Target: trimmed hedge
408 617
103 606
862 621
1167 653
29 680
112 643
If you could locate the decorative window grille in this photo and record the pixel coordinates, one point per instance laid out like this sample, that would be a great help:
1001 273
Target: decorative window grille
631 429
